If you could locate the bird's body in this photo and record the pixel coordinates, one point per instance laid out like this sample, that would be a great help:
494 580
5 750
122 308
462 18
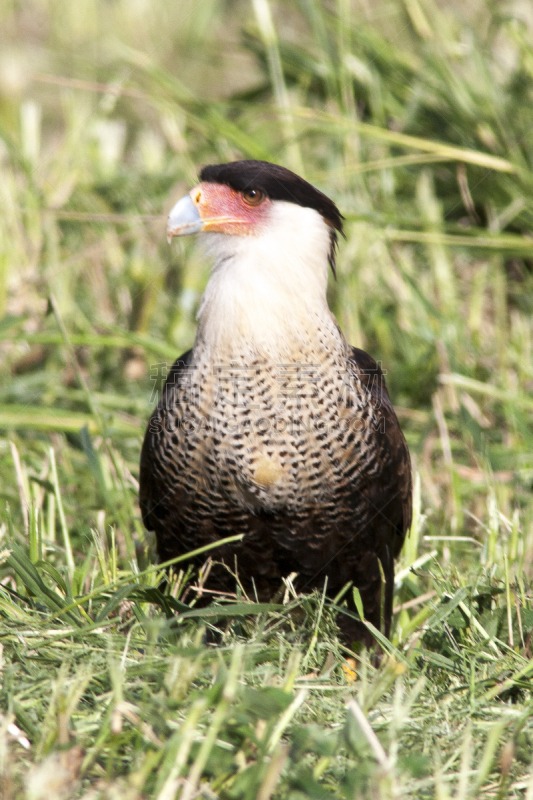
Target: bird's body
272 426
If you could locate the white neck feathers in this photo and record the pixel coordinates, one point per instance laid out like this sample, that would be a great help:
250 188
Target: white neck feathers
267 290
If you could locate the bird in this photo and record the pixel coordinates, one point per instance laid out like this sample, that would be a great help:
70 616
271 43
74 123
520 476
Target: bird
272 426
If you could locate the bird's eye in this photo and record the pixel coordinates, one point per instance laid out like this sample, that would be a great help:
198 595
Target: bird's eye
253 197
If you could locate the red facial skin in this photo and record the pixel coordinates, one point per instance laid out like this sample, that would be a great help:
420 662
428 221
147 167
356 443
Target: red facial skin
224 210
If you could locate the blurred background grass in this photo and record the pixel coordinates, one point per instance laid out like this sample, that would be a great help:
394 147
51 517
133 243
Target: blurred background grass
415 117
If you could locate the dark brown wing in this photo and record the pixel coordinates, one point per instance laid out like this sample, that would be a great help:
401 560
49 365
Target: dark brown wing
385 501
393 453
155 503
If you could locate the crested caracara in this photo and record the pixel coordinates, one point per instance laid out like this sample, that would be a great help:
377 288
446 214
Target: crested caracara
273 426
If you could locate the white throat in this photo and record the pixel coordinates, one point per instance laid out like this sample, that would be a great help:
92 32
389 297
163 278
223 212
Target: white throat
267 292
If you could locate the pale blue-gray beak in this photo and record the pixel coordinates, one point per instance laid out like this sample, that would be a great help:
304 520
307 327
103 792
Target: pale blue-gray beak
183 219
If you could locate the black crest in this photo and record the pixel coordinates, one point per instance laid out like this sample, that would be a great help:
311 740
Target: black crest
278 183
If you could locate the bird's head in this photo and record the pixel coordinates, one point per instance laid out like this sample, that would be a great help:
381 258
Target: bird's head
256 198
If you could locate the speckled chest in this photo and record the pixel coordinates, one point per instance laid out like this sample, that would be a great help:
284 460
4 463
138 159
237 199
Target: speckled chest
268 434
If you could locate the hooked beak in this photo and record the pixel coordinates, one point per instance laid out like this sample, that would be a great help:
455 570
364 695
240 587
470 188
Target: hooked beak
183 219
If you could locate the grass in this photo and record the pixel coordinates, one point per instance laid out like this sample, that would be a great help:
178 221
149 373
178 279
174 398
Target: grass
415 117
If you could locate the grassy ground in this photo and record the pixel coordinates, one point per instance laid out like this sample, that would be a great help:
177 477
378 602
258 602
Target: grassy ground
416 118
